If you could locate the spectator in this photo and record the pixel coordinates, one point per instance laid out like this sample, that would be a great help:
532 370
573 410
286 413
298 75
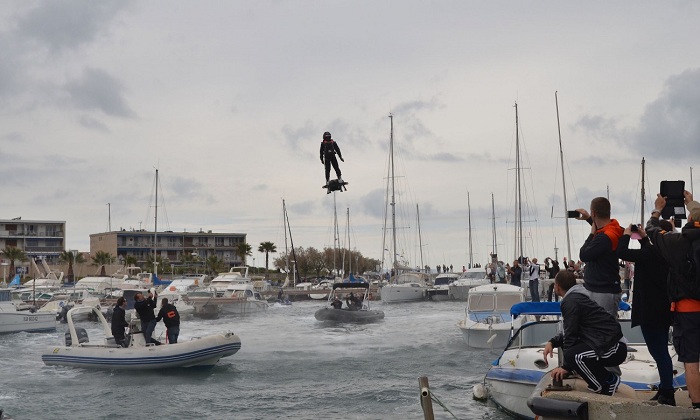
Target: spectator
552 268
601 276
682 252
516 272
533 270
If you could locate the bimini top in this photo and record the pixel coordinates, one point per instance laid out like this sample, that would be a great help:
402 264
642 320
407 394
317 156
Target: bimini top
350 286
546 308
535 308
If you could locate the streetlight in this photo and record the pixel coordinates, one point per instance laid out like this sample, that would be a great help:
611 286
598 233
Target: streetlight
4 271
254 266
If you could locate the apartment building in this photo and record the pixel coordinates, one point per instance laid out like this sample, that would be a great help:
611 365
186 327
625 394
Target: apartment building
44 239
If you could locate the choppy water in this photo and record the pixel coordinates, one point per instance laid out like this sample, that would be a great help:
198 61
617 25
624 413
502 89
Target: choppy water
290 366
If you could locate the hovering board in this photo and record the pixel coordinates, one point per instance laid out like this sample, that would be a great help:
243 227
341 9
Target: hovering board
335 185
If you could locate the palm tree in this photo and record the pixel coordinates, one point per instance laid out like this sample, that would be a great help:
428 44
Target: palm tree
70 258
130 261
214 265
13 254
267 248
102 258
243 249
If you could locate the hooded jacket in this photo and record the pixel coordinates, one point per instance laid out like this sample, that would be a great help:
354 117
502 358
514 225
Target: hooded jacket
601 273
586 321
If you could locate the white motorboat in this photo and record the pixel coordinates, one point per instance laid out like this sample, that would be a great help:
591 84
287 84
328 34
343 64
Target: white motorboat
441 286
487 322
79 351
358 314
13 320
406 287
512 378
472 277
66 299
235 275
321 290
238 299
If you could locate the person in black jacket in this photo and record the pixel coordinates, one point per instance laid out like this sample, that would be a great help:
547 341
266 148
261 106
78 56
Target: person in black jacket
144 307
171 318
329 148
678 248
119 321
591 338
651 308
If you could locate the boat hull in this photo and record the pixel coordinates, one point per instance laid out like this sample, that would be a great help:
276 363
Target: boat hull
392 293
485 336
243 308
346 315
11 322
202 352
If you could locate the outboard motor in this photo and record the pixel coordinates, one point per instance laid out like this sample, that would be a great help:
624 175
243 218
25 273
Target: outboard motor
82 336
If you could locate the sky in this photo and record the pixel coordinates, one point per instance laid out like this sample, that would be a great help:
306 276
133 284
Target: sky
229 101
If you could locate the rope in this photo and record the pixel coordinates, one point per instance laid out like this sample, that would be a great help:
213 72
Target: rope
438 402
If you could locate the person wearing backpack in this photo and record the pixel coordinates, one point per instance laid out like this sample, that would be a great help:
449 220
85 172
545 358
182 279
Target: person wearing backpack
681 250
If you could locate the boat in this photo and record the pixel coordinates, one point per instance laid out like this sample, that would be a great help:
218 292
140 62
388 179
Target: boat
79 351
244 300
487 323
65 299
405 287
221 282
354 315
321 290
472 277
512 378
441 286
13 320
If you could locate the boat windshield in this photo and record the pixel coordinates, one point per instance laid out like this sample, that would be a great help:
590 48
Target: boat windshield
473 275
5 296
491 302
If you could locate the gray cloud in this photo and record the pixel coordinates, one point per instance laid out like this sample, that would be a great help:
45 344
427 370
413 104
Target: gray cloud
598 127
92 124
299 136
301 208
66 24
96 89
669 127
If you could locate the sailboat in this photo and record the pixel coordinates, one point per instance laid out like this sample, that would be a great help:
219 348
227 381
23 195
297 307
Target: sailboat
406 285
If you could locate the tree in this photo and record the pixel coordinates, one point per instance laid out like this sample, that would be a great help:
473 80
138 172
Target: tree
214 265
243 249
130 261
68 257
13 254
102 258
267 248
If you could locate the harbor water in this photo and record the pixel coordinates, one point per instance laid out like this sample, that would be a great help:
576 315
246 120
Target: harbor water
290 366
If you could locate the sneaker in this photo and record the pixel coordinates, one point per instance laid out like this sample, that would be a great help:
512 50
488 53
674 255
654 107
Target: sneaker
666 398
610 386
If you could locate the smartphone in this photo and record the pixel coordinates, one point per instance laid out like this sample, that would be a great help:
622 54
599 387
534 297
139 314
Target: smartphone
675 202
634 228
573 214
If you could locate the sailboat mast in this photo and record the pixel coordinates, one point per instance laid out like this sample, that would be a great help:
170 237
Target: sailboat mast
393 189
336 239
493 227
284 227
291 241
642 199
563 182
420 240
155 234
469 223
349 252
519 207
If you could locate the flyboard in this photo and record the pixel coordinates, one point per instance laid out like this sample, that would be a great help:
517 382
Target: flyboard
335 185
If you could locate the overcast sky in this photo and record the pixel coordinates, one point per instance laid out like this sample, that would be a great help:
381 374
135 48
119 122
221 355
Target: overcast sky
229 100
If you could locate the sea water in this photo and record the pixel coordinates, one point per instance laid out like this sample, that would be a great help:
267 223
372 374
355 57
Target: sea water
290 366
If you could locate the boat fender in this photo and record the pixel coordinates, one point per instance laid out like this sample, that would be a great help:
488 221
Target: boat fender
479 392
560 409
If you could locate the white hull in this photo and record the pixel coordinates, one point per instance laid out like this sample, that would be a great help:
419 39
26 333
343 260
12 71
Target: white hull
243 308
318 296
511 396
486 336
17 321
392 293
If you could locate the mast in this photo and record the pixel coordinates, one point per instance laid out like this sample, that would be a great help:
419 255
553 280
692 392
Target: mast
349 252
155 234
493 229
420 240
691 180
642 200
291 241
519 206
393 193
563 182
336 240
284 227
469 223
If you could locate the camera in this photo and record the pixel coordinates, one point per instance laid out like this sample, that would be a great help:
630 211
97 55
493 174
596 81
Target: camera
573 214
634 228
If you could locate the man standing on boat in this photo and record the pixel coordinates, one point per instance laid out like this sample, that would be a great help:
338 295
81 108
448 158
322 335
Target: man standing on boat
533 270
119 321
601 275
516 272
144 307
681 250
171 318
329 148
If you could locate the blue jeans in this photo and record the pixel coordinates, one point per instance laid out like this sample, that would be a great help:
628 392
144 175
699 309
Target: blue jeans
535 290
173 333
148 328
657 343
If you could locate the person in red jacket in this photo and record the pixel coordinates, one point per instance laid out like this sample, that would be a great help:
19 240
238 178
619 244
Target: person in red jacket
329 148
602 274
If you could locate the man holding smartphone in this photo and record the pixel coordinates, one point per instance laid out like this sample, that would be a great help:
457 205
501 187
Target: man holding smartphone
602 274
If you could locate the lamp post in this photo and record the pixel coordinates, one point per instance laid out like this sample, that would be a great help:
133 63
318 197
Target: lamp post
4 271
254 266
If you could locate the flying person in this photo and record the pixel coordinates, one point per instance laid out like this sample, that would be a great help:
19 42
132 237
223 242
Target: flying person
329 148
